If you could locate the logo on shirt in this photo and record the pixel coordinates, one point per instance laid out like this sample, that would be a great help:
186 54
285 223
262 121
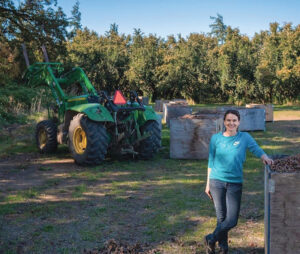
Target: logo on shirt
236 143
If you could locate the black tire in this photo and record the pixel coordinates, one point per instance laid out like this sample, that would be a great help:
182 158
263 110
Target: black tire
46 136
91 150
149 146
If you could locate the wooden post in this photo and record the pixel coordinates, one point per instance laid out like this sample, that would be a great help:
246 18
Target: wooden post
25 55
282 216
45 54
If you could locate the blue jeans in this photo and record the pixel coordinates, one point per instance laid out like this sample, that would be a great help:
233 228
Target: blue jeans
227 200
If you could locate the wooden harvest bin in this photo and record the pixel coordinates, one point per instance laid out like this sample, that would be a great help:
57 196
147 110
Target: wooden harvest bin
159 120
159 105
252 119
282 212
267 107
174 110
190 135
145 100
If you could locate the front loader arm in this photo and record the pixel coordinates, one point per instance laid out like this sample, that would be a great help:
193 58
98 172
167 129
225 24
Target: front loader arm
42 74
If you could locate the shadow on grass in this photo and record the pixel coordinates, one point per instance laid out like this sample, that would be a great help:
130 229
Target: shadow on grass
136 201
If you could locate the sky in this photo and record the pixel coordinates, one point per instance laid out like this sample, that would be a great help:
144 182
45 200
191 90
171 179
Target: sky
173 17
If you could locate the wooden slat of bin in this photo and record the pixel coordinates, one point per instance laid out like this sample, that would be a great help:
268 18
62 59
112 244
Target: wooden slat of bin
285 213
190 136
267 107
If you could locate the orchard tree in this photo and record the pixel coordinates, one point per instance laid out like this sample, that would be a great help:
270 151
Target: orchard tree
145 57
237 67
270 61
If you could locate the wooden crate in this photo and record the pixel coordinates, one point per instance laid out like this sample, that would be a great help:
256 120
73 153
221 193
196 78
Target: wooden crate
282 212
159 105
174 110
180 101
267 107
145 100
159 120
252 119
190 135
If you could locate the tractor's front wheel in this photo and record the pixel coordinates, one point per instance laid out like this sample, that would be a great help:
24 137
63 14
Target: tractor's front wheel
150 145
46 136
88 140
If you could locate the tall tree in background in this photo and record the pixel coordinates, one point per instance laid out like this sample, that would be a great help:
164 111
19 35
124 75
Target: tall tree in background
187 70
218 28
237 66
35 23
104 59
269 63
289 71
145 57
75 21
33 20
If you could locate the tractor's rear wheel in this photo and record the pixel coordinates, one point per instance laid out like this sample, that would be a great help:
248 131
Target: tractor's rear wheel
88 140
46 136
150 145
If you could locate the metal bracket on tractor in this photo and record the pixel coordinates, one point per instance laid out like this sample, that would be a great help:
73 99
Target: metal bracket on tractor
92 124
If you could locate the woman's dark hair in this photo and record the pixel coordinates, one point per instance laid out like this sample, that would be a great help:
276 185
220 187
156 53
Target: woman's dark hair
234 112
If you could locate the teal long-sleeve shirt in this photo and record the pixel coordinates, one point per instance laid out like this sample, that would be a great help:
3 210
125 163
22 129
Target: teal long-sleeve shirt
227 156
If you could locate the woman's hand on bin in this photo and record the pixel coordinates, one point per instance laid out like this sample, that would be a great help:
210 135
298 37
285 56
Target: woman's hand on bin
266 160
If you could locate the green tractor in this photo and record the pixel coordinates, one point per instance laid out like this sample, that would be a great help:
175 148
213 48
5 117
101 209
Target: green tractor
92 124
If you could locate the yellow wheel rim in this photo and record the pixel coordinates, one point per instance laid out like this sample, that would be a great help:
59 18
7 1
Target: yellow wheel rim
79 140
42 138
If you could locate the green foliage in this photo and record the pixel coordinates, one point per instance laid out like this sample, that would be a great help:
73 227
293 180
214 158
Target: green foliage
75 20
145 57
277 74
34 23
236 67
222 66
104 58
218 28
188 70
15 100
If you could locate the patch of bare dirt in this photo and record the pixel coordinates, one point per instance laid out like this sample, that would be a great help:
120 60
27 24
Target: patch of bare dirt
114 247
31 170
286 117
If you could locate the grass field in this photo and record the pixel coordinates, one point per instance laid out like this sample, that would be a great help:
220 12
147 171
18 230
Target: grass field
50 205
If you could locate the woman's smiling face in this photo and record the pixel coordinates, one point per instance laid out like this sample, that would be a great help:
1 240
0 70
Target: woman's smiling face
231 122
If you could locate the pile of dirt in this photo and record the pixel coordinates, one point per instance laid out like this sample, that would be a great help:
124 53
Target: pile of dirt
113 247
289 164
201 115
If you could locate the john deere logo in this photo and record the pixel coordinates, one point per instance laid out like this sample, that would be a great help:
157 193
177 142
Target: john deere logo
236 143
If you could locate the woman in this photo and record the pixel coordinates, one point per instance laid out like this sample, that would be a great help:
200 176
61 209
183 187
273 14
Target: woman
227 153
